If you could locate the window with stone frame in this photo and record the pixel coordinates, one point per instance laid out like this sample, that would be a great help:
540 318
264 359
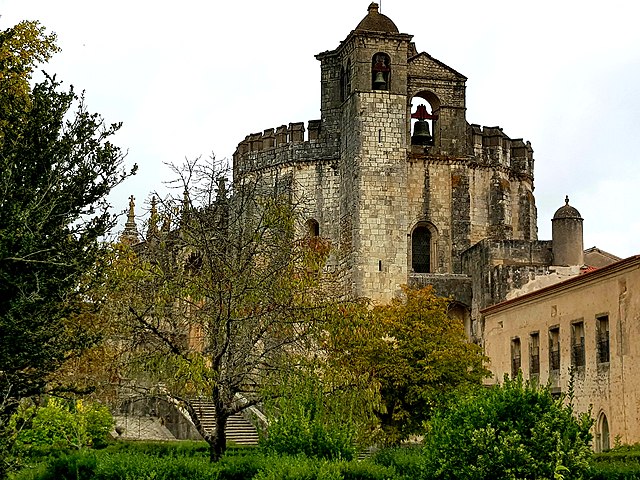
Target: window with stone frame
380 71
554 348
602 338
534 354
421 249
516 356
577 344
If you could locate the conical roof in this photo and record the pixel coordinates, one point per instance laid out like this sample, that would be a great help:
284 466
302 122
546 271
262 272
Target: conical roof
376 22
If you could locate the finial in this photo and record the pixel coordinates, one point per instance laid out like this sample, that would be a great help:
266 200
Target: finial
132 204
373 7
130 232
566 200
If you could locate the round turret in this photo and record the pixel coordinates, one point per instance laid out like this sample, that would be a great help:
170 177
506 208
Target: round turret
376 22
566 233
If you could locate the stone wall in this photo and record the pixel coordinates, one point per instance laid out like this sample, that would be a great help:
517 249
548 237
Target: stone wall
358 175
499 266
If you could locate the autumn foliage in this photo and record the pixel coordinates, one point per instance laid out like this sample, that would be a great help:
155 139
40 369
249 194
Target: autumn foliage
409 357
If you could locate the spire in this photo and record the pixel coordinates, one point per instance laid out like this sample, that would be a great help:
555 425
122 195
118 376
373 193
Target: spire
185 211
152 230
221 193
129 235
166 221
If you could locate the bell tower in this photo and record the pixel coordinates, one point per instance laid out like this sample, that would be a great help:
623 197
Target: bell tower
364 110
393 175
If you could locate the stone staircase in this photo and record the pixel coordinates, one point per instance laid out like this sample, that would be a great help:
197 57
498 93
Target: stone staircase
239 430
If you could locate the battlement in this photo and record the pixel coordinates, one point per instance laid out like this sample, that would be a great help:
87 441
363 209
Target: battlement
282 145
495 148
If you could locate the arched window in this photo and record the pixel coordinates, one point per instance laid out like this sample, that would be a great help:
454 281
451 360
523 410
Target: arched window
380 71
313 228
421 249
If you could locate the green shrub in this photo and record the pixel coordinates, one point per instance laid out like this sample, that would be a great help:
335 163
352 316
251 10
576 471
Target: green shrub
107 466
77 466
622 453
302 425
620 463
176 448
614 471
119 462
172 449
513 430
61 425
407 460
138 466
368 470
299 468
34 472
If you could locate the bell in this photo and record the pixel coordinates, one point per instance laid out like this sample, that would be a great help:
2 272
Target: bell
421 134
379 83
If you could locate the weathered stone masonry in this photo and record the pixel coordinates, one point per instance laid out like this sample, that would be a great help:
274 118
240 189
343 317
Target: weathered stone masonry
399 211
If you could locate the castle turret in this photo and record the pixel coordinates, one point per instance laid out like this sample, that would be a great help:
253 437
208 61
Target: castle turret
566 232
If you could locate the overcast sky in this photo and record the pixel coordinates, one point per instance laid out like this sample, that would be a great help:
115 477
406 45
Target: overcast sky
193 77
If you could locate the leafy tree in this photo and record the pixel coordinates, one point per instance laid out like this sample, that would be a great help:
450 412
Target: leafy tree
57 166
231 293
513 430
22 47
410 354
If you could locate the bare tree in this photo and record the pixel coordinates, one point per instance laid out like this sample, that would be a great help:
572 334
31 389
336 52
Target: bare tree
230 292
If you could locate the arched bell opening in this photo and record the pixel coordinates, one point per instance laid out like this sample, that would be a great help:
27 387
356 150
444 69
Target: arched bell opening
381 71
424 115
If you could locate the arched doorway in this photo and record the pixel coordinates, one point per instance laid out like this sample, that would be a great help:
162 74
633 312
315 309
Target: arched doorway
602 434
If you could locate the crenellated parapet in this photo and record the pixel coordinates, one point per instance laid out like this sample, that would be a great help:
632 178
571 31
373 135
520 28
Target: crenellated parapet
492 146
285 144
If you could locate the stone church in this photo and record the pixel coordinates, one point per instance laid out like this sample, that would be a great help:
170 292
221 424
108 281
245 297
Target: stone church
407 191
